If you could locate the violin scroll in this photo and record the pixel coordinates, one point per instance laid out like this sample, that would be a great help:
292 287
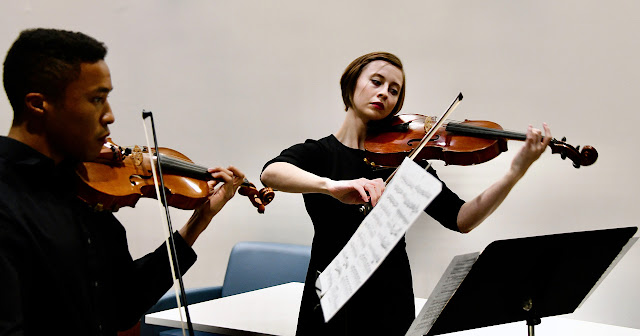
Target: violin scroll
585 157
259 198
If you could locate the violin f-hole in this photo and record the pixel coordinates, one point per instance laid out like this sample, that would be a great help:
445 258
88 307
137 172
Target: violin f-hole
137 179
433 138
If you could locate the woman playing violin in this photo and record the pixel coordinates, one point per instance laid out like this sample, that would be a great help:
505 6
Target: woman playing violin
333 178
61 262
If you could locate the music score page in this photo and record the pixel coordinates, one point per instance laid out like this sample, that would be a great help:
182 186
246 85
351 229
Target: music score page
404 198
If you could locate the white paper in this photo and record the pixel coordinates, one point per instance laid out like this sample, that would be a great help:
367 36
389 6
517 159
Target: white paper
442 293
404 198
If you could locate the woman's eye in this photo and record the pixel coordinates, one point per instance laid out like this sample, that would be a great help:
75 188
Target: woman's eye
375 82
394 92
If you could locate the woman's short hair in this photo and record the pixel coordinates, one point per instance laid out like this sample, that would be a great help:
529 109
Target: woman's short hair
351 74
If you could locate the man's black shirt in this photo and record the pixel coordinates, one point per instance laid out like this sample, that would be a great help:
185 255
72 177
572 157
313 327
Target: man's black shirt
65 268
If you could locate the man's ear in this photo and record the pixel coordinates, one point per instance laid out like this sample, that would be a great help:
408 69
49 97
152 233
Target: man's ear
35 103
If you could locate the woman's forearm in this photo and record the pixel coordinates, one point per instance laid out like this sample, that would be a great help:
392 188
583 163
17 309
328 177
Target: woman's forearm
286 177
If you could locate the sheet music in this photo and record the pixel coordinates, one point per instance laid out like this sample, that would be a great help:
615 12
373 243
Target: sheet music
405 197
442 293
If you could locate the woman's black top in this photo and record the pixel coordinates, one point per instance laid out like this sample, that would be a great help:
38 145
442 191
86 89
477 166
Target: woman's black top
385 303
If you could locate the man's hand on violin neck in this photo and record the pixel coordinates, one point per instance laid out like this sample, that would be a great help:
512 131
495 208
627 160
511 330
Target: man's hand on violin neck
357 191
219 195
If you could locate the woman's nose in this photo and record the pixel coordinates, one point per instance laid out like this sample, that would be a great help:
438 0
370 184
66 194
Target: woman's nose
382 94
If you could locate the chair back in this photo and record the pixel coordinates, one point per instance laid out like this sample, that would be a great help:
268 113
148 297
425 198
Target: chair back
257 265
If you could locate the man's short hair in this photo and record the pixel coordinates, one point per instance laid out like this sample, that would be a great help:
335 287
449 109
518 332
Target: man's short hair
46 61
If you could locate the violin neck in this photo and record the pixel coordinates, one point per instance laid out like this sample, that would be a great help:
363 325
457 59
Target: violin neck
184 168
484 132
188 169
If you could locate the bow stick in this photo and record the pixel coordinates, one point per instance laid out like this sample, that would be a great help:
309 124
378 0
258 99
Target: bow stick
170 243
365 208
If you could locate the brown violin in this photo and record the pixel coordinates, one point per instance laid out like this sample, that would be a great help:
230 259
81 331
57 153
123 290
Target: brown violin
121 176
456 143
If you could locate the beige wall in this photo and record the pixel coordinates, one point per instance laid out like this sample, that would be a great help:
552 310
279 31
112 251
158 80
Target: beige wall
235 82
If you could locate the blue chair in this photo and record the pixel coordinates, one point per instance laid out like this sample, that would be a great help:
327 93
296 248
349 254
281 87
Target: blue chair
252 266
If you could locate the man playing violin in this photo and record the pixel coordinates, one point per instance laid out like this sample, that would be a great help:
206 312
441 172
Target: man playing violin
63 265
333 176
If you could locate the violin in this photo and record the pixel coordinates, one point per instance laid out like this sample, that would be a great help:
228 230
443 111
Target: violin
120 176
457 143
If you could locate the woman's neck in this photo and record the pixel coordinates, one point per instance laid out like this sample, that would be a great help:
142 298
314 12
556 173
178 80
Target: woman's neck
353 131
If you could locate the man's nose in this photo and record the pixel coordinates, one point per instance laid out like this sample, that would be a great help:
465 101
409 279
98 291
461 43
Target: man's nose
108 117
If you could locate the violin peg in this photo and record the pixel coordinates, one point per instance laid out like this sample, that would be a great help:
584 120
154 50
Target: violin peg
365 209
576 165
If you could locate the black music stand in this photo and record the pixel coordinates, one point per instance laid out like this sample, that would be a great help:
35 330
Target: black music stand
526 279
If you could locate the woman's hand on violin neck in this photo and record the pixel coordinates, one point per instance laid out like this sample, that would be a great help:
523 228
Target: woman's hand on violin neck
357 191
533 147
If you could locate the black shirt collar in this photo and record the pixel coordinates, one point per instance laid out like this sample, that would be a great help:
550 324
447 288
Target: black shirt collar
22 155
24 158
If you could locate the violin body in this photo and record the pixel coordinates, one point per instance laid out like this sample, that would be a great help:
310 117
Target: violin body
388 149
113 181
466 143
120 177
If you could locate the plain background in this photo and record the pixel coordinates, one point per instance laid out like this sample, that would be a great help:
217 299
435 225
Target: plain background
235 82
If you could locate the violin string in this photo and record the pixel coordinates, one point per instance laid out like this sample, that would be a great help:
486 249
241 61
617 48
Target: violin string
478 130
414 153
200 172
179 163
514 135
185 166
435 127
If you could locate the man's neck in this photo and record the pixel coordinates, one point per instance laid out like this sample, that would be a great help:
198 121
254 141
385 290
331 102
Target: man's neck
34 140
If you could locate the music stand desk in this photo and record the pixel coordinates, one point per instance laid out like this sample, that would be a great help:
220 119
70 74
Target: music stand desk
527 279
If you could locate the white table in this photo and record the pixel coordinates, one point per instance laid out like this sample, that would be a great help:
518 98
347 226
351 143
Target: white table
269 311
274 311
552 326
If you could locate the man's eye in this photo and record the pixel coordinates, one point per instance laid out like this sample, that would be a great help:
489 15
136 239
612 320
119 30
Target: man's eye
99 100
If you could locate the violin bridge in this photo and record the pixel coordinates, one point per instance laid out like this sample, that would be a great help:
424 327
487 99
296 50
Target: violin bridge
136 155
429 121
